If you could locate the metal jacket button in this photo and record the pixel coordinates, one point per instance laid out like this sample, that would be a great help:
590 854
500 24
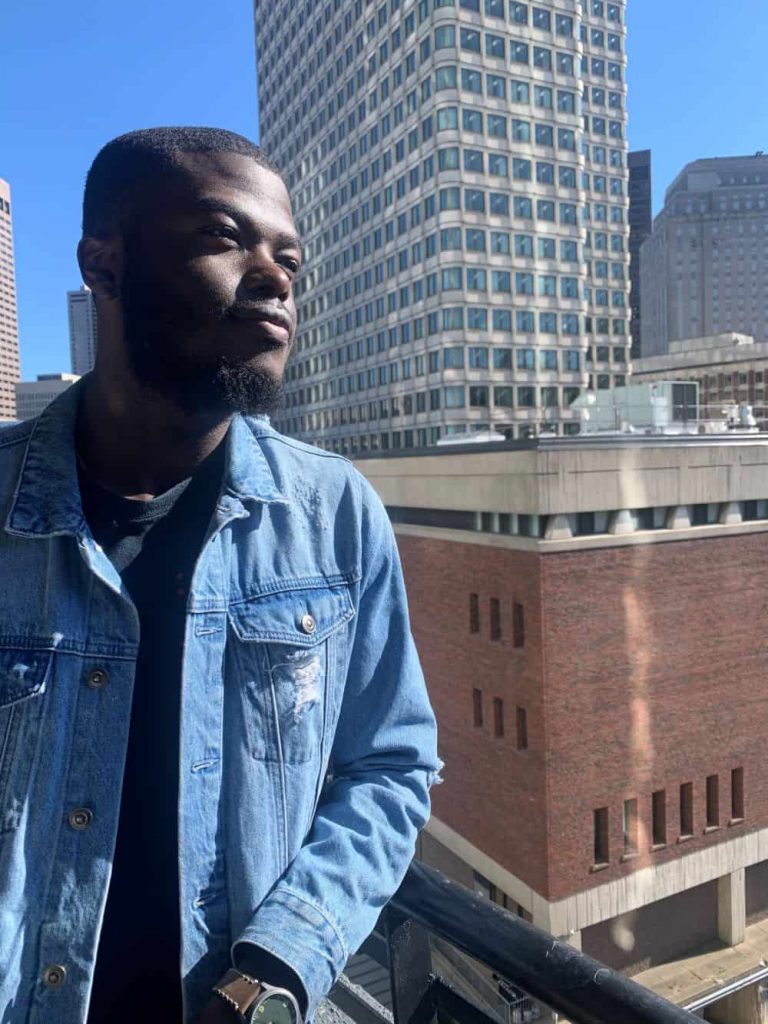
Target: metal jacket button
97 678
80 819
308 623
54 976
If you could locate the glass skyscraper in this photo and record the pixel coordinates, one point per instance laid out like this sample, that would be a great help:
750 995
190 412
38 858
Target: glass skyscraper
459 177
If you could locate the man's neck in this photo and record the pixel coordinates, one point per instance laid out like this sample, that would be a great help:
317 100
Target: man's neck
138 444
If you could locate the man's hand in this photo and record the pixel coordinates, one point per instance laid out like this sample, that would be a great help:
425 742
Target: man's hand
217 1012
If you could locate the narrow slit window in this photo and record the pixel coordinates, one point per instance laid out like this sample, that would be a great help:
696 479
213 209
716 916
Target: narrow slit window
498 716
630 826
713 801
659 817
686 809
518 625
495 614
601 853
737 794
521 738
474 613
477 708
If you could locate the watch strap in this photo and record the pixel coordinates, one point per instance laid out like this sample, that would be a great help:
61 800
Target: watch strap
239 991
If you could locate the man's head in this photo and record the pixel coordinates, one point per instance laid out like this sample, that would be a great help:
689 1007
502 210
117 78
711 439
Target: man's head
191 251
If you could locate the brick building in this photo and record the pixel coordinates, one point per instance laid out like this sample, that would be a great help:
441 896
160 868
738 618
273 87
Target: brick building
589 614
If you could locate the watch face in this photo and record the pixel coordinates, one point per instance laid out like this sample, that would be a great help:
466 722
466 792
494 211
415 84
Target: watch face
274 1008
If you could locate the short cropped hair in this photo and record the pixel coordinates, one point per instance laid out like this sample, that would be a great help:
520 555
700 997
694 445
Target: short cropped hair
136 160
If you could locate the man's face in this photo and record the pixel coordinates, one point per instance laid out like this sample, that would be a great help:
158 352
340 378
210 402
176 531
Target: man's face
209 313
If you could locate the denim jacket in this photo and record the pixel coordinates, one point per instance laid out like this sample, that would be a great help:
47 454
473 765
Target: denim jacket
307 742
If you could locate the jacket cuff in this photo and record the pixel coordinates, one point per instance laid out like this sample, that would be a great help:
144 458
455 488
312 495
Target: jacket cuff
296 931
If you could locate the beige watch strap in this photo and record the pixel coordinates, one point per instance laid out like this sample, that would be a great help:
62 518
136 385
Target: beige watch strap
238 990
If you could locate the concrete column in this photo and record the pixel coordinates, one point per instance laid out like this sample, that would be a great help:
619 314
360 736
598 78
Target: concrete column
744 1007
678 517
731 907
621 522
558 528
730 513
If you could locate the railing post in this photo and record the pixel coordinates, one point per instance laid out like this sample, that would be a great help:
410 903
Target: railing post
410 970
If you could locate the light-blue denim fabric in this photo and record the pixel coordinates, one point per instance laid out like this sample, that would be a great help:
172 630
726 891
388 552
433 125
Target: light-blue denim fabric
307 741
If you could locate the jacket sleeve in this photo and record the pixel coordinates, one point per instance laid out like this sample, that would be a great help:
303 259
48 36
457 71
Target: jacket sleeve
384 760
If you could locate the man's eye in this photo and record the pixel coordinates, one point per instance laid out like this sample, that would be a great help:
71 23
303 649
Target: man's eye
291 265
220 231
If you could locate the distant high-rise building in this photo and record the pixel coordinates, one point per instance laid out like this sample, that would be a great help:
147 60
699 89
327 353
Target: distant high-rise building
83 329
640 228
459 176
10 367
704 270
32 396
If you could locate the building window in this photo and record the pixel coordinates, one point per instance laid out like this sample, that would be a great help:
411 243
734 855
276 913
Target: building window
713 801
495 615
659 817
737 794
498 716
686 809
474 613
518 625
601 852
445 37
521 729
455 396
629 827
477 708
478 396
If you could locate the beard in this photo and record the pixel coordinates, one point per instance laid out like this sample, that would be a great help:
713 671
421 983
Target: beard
156 331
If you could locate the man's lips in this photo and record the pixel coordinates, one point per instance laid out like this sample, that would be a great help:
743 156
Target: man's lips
276 322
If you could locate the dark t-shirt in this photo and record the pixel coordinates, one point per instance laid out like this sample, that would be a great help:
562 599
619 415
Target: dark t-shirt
154 545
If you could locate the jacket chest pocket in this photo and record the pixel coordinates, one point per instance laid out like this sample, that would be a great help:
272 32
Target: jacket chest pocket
24 676
289 651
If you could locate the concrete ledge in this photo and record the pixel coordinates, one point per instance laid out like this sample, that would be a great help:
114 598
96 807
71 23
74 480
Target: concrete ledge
546 547
609 900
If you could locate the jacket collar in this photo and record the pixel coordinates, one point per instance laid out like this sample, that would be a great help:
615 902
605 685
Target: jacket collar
47 499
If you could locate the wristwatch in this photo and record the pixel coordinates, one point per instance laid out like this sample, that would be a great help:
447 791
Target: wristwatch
256 1002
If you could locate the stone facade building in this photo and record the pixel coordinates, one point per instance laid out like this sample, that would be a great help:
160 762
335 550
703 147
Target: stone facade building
704 270
32 396
459 176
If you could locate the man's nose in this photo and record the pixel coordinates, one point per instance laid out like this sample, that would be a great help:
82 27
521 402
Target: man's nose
264 278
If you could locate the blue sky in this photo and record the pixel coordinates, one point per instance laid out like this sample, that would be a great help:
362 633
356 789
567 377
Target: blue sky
73 76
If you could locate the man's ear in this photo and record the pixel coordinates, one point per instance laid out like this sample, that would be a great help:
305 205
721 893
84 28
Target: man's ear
101 264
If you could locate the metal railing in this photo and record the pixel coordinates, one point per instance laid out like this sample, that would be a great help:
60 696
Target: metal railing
527 959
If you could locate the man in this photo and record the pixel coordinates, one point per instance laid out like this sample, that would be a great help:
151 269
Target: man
215 740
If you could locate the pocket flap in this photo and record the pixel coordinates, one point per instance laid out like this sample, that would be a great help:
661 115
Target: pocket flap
302 617
23 673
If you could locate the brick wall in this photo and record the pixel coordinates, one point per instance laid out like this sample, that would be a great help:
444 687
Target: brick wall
656 675
644 667
493 794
